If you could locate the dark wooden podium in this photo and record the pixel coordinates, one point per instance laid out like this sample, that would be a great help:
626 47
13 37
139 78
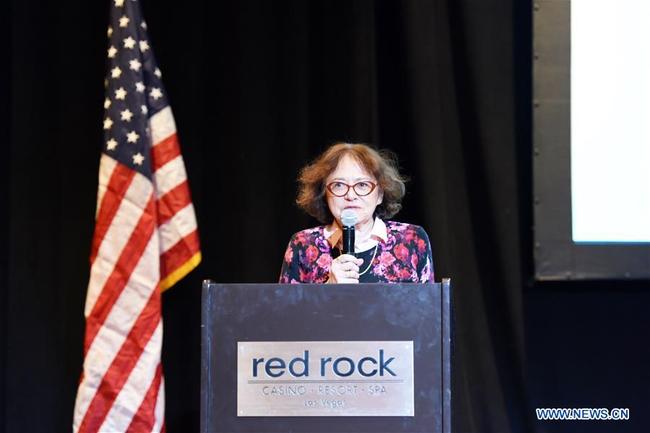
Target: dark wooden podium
238 313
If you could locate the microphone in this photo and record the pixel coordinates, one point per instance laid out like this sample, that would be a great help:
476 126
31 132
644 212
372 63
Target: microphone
348 220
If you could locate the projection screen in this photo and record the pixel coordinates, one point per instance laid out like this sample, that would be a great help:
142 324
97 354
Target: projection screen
591 138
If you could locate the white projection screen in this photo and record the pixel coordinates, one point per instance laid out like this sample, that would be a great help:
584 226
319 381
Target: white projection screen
591 138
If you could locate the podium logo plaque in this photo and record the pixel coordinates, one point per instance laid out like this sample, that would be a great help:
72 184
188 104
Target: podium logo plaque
325 378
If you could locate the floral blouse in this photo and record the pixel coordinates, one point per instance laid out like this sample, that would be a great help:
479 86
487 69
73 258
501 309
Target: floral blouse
405 257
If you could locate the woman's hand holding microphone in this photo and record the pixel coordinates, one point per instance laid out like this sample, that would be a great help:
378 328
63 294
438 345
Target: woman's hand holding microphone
345 269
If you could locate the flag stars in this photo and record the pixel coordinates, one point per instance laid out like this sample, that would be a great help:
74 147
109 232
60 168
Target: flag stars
139 87
143 25
129 42
108 123
144 46
132 137
111 52
107 103
119 3
111 144
116 72
138 159
155 93
134 65
109 31
120 93
157 73
124 21
144 109
126 115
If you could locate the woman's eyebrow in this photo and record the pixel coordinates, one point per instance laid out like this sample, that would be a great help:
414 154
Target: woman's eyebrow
356 179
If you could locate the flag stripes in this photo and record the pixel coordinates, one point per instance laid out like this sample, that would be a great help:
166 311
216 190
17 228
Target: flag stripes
120 180
173 202
122 365
165 151
169 175
145 239
117 235
141 378
116 282
182 253
110 340
144 417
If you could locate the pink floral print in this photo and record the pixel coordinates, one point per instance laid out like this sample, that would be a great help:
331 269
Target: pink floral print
404 257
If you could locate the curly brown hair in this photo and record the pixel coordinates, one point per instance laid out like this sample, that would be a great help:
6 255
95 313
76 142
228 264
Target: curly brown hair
382 164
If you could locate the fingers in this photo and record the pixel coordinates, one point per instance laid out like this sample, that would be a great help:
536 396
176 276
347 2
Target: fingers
349 267
341 280
349 258
348 281
345 269
343 274
348 263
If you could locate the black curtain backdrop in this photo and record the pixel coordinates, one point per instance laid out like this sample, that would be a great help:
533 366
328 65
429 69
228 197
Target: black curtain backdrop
258 89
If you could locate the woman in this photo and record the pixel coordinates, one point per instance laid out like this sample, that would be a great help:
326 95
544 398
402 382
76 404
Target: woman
360 179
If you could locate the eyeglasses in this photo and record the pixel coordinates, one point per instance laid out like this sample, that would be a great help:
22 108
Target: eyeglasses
362 188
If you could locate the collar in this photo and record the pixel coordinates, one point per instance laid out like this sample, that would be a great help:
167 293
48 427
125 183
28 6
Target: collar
379 233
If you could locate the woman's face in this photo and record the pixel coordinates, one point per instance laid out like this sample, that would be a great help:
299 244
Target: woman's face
350 172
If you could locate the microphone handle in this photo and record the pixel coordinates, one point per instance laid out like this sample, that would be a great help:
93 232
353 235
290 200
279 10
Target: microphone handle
348 240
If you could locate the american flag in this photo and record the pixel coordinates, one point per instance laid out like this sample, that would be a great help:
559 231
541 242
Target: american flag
145 239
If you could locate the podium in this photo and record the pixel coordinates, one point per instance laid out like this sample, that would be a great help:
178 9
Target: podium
326 358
